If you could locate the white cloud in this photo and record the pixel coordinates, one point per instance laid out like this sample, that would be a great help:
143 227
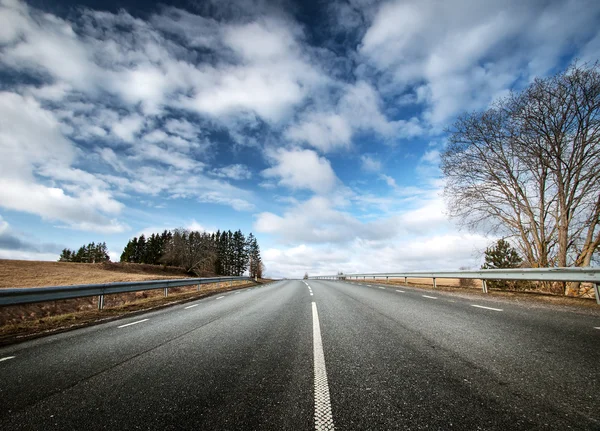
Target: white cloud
370 164
463 53
234 172
234 202
317 220
35 39
28 255
128 127
264 40
182 128
31 144
302 170
322 131
359 108
389 180
13 244
440 252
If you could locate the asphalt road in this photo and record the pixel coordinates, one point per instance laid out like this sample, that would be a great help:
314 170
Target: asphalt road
300 356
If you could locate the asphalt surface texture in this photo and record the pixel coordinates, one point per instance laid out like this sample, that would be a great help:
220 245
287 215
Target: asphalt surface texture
372 357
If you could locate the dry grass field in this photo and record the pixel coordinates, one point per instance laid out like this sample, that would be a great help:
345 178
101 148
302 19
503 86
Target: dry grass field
25 320
24 273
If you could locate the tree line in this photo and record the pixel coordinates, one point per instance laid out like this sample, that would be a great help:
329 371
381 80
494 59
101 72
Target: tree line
201 253
91 253
222 253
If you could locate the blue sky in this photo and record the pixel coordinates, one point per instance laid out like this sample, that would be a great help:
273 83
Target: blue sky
317 126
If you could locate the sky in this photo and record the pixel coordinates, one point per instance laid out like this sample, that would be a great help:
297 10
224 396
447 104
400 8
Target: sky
318 126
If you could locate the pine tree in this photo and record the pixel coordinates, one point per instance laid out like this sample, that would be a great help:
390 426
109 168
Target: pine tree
253 256
140 251
90 253
66 255
128 252
230 254
239 253
502 256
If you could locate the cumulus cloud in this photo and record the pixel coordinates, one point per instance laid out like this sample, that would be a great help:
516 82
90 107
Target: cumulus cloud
440 252
370 164
460 54
322 131
128 127
318 221
31 144
331 125
301 170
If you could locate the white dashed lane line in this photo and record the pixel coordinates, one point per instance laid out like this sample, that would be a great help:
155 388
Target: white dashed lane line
369 285
7 358
399 291
133 323
381 287
191 306
430 297
323 416
487 308
220 297
596 327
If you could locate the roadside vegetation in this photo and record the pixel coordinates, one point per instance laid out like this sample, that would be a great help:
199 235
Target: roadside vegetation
22 321
526 169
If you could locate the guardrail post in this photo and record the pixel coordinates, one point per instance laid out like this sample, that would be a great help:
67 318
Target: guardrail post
100 302
596 291
484 286
166 292
406 281
198 287
434 285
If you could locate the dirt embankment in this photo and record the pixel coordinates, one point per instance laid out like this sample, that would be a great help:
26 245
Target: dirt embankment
26 320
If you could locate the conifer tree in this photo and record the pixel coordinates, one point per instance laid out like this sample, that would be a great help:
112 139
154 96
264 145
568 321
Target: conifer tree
502 256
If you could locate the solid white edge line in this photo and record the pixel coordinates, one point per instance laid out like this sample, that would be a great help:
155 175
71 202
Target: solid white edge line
133 323
487 308
7 358
191 306
430 297
401 291
323 416
220 297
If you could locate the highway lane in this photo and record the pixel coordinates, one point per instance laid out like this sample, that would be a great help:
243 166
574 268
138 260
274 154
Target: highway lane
395 358
403 360
240 362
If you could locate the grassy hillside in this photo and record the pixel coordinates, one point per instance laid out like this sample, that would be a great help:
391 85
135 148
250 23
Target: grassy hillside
24 273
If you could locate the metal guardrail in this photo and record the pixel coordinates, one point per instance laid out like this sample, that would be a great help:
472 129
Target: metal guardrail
584 275
28 295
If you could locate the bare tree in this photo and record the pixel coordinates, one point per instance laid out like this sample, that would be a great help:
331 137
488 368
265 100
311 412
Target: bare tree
194 251
528 168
